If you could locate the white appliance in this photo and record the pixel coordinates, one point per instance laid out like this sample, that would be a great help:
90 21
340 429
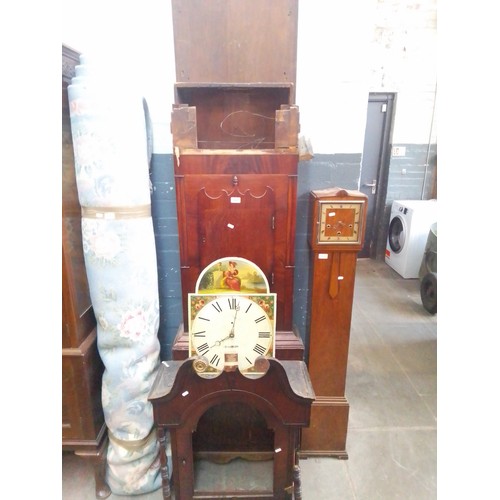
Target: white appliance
409 226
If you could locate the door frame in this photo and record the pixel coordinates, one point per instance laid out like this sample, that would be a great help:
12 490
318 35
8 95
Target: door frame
377 249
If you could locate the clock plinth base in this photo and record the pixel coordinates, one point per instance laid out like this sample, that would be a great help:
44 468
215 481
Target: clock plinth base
327 432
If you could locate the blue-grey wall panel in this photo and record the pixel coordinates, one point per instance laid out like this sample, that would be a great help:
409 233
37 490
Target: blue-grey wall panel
167 250
407 173
411 177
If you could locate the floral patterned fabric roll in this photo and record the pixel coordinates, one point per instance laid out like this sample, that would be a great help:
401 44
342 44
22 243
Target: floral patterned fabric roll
111 163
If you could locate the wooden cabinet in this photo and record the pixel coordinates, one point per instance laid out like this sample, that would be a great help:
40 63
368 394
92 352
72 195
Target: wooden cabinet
83 425
337 235
236 41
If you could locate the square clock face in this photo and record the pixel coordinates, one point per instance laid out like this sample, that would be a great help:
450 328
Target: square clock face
340 222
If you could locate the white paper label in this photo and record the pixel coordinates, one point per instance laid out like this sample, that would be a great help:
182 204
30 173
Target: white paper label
323 256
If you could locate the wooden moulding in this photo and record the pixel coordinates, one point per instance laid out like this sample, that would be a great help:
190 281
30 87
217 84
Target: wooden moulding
287 127
183 126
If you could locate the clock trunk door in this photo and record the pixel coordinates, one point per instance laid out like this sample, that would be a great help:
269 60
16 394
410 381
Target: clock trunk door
236 221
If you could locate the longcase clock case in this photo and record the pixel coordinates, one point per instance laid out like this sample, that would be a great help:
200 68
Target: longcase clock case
235 142
235 135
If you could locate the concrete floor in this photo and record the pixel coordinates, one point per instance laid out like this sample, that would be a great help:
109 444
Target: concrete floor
391 389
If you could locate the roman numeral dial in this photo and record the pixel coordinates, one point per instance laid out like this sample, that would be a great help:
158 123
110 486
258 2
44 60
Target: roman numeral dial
231 330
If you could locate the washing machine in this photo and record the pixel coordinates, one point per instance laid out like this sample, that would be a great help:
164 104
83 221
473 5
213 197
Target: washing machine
409 226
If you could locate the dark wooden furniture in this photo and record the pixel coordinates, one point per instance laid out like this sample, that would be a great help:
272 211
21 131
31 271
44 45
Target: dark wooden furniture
282 397
332 289
83 425
235 136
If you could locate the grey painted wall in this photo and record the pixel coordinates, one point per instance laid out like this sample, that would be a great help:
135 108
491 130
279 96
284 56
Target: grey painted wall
411 177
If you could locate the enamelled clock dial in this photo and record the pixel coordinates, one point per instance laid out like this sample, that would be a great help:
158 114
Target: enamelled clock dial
231 330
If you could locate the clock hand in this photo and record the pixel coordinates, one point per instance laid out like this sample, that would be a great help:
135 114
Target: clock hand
219 342
231 333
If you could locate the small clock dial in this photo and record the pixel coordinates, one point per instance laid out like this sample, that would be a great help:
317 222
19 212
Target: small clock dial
231 330
339 222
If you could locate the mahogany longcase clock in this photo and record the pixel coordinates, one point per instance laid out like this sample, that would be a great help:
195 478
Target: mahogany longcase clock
235 138
336 236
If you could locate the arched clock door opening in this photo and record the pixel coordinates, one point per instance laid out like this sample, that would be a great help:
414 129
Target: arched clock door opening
220 467
240 421
238 400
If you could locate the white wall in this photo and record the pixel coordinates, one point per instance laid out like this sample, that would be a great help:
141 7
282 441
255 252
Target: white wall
345 50
348 49
332 73
136 38
402 59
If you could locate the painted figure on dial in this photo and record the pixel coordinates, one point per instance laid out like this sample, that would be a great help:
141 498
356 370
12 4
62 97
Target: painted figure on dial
231 279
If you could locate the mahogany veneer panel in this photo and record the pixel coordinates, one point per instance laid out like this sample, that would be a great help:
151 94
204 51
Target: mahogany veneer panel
238 41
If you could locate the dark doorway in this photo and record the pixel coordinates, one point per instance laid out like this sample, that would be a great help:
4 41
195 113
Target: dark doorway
375 165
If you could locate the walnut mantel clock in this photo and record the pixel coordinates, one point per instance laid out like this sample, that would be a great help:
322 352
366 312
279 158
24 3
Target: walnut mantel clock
337 234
